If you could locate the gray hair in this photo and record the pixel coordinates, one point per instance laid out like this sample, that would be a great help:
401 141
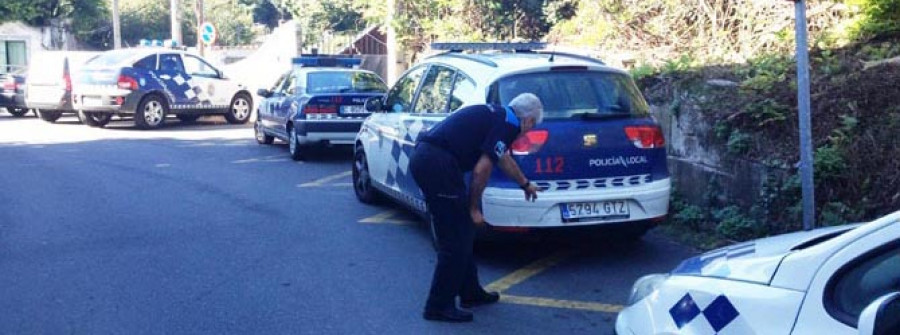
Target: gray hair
528 105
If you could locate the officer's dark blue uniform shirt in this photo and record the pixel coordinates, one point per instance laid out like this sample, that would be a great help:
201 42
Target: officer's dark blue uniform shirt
475 130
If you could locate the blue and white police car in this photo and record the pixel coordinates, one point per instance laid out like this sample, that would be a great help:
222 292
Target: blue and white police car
321 101
151 83
599 156
812 282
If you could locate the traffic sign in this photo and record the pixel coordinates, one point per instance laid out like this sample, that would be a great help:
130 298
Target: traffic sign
207 33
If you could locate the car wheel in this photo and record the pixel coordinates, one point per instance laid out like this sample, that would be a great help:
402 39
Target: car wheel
295 147
49 115
17 111
187 118
151 113
260 134
362 180
94 119
239 111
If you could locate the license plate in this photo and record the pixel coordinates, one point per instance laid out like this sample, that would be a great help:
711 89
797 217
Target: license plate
353 109
607 210
92 101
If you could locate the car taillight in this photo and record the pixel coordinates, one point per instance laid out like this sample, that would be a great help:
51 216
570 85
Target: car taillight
645 137
320 109
10 84
127 83
531 142
67 80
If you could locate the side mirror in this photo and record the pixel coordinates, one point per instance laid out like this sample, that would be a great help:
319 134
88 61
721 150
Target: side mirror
264 93
374 105
881 317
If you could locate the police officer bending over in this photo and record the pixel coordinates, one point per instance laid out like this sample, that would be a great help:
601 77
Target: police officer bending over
471 139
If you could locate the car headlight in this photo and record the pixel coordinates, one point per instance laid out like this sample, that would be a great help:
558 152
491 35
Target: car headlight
644 286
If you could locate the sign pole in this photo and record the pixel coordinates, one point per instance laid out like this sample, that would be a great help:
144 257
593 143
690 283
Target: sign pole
806 152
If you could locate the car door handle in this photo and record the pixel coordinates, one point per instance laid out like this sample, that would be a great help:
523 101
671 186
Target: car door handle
165 76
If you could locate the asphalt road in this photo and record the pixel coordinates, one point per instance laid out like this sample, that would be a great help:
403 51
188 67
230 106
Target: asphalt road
196 229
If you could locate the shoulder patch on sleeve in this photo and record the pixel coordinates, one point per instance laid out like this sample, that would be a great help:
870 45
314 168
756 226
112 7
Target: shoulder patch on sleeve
499 148
511 116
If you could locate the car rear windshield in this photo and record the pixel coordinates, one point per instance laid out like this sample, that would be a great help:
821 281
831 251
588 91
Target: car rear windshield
572 94
110 59
343 82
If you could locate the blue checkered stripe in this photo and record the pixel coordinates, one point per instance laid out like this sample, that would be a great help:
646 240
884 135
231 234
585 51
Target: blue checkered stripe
398 175
717 315
195 96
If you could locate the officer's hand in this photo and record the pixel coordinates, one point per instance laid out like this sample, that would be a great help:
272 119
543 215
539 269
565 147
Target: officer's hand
477 216
531 192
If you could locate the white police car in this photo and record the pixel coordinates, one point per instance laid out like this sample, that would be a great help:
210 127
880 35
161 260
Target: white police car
320 101
599 156
151 83
812 282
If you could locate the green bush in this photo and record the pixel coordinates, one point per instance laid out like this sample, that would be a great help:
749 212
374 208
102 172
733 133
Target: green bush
738 142
829 163
690 216
734 225
878 18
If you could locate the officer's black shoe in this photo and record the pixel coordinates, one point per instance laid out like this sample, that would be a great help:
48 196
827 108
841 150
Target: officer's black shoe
484 298
451 314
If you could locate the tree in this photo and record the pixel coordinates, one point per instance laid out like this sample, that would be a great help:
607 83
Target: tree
86 19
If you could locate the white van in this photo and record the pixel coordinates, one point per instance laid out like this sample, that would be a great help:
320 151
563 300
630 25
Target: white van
49 82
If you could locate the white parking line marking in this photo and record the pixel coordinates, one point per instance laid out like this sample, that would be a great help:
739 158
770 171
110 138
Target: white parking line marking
322 181
266 159
163 165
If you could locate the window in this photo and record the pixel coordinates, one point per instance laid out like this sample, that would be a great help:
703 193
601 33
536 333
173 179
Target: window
567 94
435 90
862 281
147 63
170 63
463 90
281 79
400 97
197 67
13 56
111 58
343 82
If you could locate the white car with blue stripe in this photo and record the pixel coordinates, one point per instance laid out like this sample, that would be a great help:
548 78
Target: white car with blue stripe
599 156
153 83
811 282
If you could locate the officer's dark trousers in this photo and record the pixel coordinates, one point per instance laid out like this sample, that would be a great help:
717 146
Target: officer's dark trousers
438 175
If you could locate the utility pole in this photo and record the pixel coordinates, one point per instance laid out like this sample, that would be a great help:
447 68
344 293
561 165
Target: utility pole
198 10
393 48
806 154
117 28
176 22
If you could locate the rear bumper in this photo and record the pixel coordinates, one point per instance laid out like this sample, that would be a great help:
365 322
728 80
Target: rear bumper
503 207
12 100
335 131
105 101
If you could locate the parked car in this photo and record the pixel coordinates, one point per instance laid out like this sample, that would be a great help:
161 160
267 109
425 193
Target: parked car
151 83
12 93
811 282
599 156
48 90
320 102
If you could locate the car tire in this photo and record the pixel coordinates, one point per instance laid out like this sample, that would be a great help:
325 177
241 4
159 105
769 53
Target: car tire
94 119
17 111
362 179
260 134
49 115
240 109
188 118
151 113
294 146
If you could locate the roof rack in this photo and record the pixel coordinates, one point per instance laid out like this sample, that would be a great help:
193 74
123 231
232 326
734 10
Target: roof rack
317 60
571 55
505 46
471 57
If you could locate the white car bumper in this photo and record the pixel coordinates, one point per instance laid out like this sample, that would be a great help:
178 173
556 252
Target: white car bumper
507 207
